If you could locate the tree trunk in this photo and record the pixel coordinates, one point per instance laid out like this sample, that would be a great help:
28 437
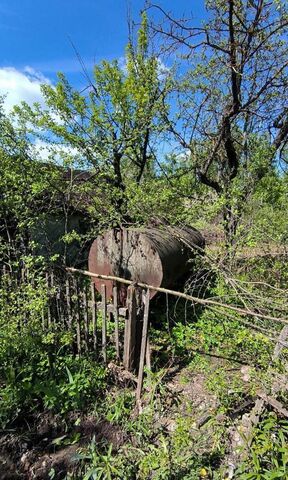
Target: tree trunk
230 221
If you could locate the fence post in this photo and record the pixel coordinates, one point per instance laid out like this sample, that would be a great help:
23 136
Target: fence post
94 316
143 345
104 322
148 354
116 319
130 329
48 300
68 303
77 315
86 319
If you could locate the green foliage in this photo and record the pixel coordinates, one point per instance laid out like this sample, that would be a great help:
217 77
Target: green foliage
268 456
37 369
119 407
114 127
36 375
154 452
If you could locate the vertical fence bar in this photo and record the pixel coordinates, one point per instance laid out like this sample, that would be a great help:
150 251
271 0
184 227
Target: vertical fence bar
48 300
23 294
116 319
130 329
94 316
148 354
58 303
143 345
86 319
4 274
68 303
43 319
104 322
77 315
52 300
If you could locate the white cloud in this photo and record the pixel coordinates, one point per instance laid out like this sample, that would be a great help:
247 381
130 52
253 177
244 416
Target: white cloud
21 85
57 153
24 85
163 70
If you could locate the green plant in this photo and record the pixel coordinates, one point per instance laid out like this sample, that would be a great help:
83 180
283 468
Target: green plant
119 407
103 463
268 454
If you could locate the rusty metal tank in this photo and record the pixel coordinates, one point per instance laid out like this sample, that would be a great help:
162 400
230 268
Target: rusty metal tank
155 256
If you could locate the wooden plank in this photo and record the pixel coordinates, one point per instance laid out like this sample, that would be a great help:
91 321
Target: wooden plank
274 403
52 299
168 314
48 299
130 329
128 332
116 319
42 319
110 308
143 345
148 354
281 343
104 322
123 311
86 317
58 302
77 316
68 303
94 317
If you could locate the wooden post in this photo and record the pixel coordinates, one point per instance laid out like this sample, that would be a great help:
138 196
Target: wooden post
68 304
48 300
23 274
77 315
130 329
104 323
143 345
42 318
86 319
116 319
94 316
4 274
53 305
148 354
167 314
58 304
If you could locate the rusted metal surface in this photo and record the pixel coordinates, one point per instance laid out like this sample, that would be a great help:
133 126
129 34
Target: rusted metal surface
152 255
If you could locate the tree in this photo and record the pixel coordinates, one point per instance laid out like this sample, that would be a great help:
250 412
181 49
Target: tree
231 91
114 125
16 181
36 198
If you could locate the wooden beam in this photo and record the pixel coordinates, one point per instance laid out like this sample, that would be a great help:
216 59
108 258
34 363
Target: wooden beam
130 329
116 319
94 316
274 403
143 345
104 322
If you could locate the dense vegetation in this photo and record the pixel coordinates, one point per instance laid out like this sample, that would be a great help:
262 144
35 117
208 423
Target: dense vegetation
215 102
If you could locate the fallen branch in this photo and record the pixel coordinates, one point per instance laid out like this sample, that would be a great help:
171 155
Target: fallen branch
201 301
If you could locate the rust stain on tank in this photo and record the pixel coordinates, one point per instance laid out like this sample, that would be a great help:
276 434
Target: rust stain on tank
149 255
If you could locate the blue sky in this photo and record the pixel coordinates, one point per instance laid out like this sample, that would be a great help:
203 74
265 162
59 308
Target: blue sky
35 38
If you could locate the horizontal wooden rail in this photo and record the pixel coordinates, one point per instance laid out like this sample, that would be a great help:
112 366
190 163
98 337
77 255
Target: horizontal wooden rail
201 301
